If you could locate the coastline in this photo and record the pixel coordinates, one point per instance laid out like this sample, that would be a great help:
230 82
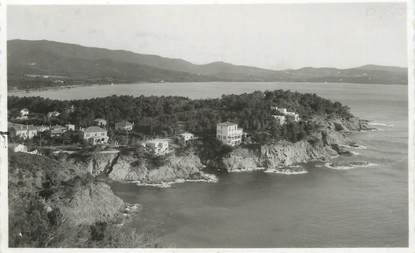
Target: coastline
40 89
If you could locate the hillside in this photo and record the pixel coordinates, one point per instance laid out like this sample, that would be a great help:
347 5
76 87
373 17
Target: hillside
58 204
34 64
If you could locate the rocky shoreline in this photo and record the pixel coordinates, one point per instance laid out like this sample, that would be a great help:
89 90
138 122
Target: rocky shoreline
331 140
75 190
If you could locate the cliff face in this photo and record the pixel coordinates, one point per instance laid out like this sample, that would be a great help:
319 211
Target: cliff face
338 124
285 154
95 163
175 167
126 168
326 142
242 159
86 202
323 144
277 155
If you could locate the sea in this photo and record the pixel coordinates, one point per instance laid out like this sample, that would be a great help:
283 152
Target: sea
353 201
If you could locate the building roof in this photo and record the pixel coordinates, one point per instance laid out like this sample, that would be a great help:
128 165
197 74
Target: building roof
227 123
186 133
292 113
94 129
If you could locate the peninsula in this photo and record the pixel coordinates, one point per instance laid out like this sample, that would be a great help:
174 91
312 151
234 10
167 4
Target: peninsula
65 154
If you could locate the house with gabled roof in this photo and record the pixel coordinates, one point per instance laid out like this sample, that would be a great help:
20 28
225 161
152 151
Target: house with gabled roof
95 135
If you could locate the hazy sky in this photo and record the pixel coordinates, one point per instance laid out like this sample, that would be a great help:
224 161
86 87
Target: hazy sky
275 36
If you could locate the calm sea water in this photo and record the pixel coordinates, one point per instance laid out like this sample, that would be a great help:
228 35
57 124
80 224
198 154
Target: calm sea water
360 207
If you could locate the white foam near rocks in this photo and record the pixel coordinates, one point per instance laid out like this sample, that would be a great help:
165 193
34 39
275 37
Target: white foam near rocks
355 146
380 124
248 169
291 170
352 165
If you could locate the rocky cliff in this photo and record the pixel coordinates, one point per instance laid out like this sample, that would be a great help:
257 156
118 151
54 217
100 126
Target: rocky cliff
325 143
277 155
83 201
187 167
127 168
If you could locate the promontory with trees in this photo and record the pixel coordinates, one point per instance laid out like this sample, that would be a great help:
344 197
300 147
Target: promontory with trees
159 116
50 187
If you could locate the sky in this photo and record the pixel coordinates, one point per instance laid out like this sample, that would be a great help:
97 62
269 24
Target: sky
273 36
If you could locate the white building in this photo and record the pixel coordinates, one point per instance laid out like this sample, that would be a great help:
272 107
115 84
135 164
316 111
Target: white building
42 128
23 131
157 146
57 130
95 135
293 116
283 110
186 137
70 127
18 147
280 119
24 113
229 133
53 114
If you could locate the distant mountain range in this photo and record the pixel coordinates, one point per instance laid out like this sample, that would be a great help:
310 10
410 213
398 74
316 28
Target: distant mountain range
35 64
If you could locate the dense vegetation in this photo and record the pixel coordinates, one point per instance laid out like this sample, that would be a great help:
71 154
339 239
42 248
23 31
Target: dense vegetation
164 116
36 215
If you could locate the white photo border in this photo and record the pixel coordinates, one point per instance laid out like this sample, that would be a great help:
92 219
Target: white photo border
410 9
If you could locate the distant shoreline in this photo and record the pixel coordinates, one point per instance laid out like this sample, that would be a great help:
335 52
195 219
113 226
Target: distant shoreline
19 91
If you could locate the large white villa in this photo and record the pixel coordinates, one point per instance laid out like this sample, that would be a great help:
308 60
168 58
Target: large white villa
229 133
282 120
95 135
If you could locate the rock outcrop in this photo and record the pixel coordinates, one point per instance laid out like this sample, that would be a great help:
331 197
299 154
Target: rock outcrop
127 168
286 153
187 167
339 124
242 159
86 202
325 143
